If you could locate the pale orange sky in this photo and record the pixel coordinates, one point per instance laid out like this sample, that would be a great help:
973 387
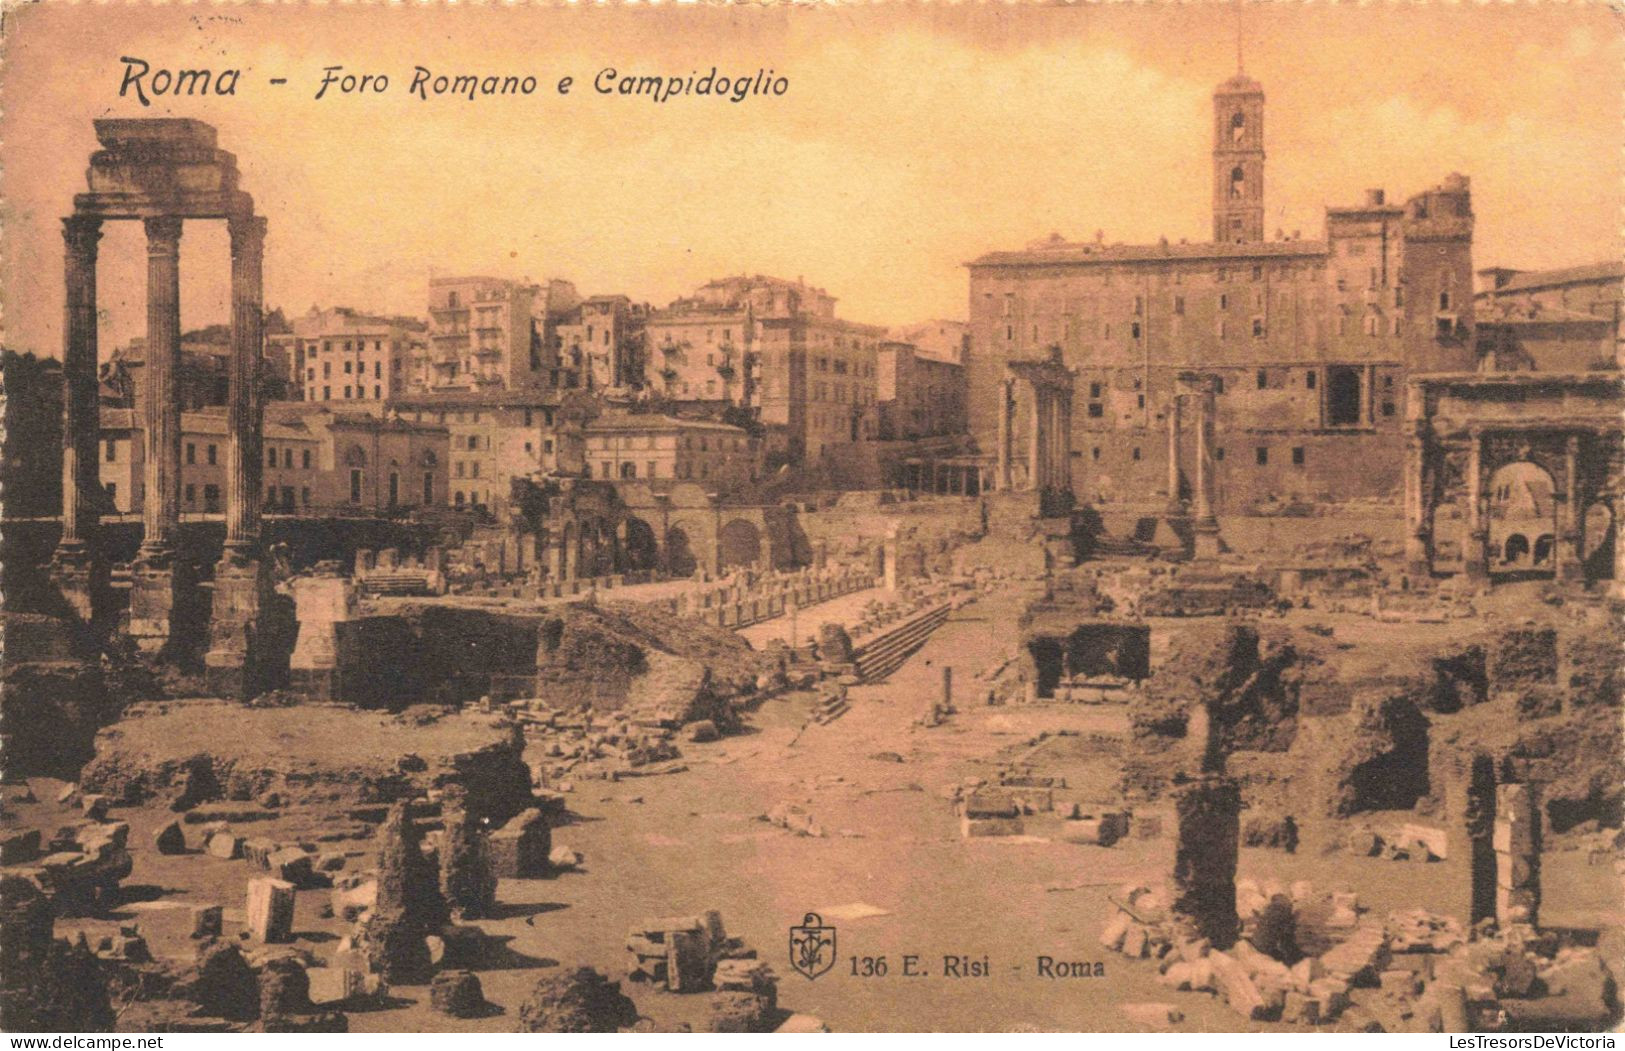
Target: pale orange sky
911 140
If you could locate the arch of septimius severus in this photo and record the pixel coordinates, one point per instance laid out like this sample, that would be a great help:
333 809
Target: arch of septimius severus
164 172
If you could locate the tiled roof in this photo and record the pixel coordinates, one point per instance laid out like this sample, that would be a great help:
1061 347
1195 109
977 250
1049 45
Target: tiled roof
638 422
1571 275
519 398
1070 253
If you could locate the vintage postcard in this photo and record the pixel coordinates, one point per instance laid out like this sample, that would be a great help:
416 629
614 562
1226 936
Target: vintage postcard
811 518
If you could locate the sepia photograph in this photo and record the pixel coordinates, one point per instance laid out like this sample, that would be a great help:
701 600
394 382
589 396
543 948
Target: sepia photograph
811 518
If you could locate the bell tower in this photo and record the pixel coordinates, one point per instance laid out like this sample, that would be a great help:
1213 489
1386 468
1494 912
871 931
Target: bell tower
1238 161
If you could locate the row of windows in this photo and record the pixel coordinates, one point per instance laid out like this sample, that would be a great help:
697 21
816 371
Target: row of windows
287 458
1371 324
1261 455
473 469
687 441
349 393
839 366
628 470
359 345
359 369
1258 272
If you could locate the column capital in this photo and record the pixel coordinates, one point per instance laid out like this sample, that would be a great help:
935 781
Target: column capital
80 233
247 233
163 234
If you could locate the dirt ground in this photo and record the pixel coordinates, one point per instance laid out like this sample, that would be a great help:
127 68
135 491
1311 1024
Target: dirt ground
890 872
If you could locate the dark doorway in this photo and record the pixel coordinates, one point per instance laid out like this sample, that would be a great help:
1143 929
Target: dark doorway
1343 396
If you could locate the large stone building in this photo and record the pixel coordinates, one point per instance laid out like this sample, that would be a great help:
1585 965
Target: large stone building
499 435
937 338
599 344
920 395
776 348
317 461
341 354
652 447
488 333
1566 320
1306 344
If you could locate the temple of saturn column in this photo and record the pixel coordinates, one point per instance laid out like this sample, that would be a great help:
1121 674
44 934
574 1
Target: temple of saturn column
1049 384
164 172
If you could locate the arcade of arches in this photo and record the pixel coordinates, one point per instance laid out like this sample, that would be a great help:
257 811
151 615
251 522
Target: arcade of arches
1531 464
570 528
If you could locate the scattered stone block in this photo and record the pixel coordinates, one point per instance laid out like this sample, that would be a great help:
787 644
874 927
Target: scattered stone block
1301 1009
170 839
1153 1015
802 1023
206 921
520 848
284 988
270 910
225 846
1233 984
257 851
95 806
579 1001
457 993
736 1012
291 865
701 731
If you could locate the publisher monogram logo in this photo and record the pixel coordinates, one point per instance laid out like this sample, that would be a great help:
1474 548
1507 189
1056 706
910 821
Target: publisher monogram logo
812 946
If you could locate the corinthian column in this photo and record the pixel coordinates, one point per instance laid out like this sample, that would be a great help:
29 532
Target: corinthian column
244 411
1175 410
1035 441
81 426
161 402
1002 475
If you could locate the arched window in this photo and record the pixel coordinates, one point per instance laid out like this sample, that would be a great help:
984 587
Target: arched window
1238 179
1238 126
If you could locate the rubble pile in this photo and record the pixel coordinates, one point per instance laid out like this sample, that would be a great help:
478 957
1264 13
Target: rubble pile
47 984
578 1001
579 744
1316 958
79 868
690 954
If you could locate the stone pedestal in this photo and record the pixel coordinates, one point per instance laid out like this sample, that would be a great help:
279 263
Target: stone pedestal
1205 536
234 663
155 591
320 604
80 580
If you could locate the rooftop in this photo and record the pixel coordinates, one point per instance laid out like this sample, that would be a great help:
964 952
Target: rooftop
1570 275
644 422
1073 253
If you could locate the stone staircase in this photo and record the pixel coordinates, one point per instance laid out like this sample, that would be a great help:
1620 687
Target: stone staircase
395 582
879 656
